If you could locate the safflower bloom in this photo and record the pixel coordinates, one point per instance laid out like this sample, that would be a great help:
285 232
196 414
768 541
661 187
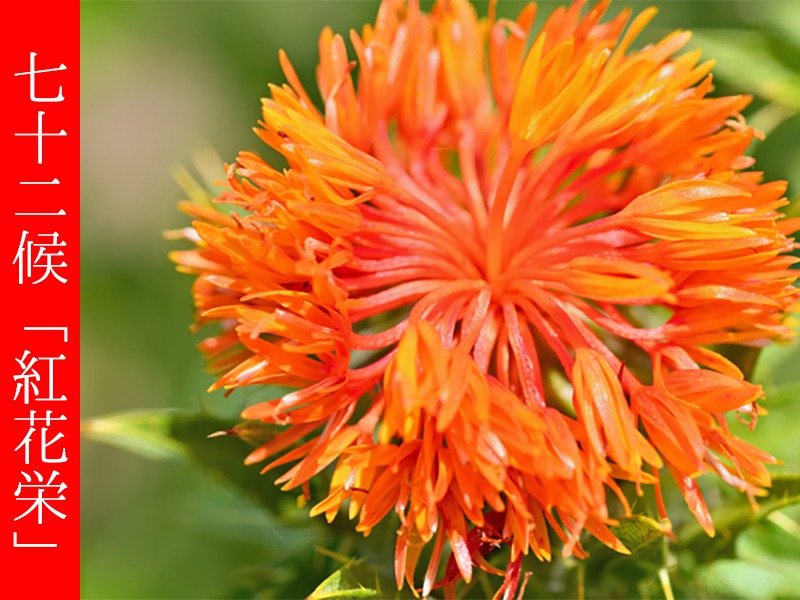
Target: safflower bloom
495 278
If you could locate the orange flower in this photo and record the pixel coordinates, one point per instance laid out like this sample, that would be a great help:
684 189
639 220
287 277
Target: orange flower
496 295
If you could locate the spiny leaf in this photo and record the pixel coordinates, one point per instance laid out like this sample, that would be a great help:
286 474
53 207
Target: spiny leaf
224 457
145 432
785 491
173 434
638 531
254 433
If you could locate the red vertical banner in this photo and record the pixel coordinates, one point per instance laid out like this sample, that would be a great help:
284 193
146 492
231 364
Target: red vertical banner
40 492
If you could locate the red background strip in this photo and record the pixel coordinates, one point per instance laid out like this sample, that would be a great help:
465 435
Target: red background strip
52 31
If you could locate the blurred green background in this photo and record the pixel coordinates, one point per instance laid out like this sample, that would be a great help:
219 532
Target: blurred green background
177 83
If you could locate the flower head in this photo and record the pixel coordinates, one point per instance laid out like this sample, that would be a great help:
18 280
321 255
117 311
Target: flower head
495 278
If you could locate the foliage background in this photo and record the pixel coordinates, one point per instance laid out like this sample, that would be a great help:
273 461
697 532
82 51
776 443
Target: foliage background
162 84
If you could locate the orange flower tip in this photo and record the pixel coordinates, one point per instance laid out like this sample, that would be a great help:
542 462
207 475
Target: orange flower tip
620 548
709 529
256 456
544 555
789 226
255 412
366 530
289 485
760 492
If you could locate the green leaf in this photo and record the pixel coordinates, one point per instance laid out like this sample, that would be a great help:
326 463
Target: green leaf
170 434
767 563
731 521
785 491
638 531
342 585
223 457
778 20
145 432
732 578
775 367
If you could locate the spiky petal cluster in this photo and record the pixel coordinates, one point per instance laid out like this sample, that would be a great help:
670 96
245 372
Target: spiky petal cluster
494 277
